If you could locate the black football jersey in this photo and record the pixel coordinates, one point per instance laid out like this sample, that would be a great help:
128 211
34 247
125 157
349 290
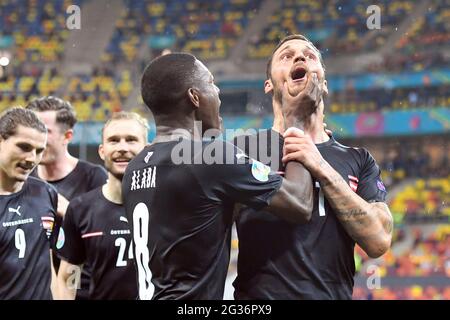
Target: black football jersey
96 231
27 219
281 260
83 178
181 213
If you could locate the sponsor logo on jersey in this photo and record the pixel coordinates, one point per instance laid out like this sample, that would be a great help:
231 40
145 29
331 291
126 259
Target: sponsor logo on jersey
353 182
122 218
61 239
148 156
260 171
15 210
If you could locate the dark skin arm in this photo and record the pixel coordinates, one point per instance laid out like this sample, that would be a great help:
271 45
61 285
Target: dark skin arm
294 200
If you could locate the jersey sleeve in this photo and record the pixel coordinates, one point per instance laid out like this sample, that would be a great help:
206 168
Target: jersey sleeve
70 245
266 146
370 185
97 177
53 229
245 181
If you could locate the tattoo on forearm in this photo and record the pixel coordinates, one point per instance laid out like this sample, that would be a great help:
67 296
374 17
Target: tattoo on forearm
351 213
322 163
333 180
345 208
368 224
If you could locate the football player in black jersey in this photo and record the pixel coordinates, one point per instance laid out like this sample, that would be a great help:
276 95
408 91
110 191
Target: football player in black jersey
70 176
180 191
278 260
95 228
27 209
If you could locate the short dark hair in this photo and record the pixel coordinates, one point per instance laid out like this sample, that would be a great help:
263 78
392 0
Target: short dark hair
286 39
166 79
65 113
11 118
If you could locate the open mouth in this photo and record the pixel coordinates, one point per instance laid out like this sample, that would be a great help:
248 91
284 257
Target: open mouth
298 74
24 166
122 160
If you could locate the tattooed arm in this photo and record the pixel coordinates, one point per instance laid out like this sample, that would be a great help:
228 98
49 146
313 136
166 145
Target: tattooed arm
368 223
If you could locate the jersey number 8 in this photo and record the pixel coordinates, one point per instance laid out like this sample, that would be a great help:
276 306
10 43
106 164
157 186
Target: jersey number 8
140 239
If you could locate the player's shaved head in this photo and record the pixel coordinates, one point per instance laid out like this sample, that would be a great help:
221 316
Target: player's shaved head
166 80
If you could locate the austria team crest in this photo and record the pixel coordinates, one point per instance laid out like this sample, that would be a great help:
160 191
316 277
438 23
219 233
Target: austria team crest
47 224
353 182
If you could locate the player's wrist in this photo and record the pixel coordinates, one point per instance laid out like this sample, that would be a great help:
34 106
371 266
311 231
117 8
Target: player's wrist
323 171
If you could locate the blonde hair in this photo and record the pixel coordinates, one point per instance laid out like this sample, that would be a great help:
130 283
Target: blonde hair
124 115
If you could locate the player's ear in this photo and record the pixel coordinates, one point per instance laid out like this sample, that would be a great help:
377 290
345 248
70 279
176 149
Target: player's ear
325 87
101 152
268 86
194 97
68 136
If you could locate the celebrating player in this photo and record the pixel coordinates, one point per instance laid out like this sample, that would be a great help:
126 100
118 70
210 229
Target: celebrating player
278 260
182 208
27 209
95 228
70 176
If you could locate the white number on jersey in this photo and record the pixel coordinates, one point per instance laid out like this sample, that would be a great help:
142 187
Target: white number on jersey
140 239
122 244
321 205
21 245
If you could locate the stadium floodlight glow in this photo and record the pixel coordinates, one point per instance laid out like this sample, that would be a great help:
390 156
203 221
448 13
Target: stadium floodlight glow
4 61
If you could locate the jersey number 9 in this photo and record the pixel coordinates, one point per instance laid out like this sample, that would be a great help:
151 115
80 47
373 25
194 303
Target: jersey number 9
20 243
